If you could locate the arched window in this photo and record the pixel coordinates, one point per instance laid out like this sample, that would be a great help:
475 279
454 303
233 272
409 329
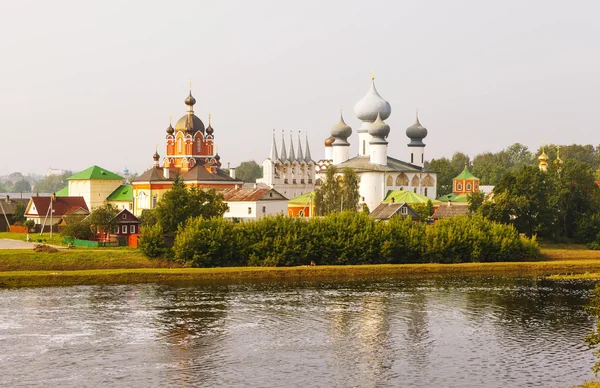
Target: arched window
468 186
459 187
198 145
389 181
425 192
428 181
415 181
402 180
179 145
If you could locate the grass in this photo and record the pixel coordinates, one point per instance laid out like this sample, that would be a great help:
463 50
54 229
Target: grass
56 239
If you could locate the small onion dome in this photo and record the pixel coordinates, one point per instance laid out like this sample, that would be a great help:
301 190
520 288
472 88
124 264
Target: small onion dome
543 157
190 100
379 128
371 105
217 157
170 130
416 133
329 141
209 129
341 130
156 156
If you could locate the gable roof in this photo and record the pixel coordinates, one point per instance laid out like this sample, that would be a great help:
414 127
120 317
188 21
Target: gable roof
196 173
9 207
121 193
251 195
363 164
94 172
131 218
400 196
385 211
446 211
62 206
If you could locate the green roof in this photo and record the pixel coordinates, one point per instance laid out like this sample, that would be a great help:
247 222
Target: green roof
409 197
64 192
303 199
466 174
94 172
122 193
454 198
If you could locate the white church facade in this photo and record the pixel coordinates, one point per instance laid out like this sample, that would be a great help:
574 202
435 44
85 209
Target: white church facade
295 173
378 171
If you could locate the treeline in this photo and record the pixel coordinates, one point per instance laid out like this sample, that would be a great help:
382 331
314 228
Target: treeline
490 167
339 239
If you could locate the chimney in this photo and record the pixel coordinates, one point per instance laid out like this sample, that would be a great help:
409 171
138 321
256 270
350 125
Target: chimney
232 173
166 172
255 185
449 202
7 198
393 200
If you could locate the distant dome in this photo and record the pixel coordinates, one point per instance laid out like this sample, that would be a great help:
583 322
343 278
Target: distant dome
543 156
156 156
341 130
329 141
209 130
170 129
190 100
371 105
416 133
379 128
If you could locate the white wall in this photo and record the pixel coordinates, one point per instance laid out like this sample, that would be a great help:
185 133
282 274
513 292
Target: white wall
240 209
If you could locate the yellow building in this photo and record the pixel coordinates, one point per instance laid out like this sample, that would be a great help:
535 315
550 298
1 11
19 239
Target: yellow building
94 184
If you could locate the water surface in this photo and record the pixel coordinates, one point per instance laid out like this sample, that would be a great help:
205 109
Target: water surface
413 332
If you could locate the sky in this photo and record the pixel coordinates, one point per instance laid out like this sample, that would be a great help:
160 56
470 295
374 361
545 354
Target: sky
94 83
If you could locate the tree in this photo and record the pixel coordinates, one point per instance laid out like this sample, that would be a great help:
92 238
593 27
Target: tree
488 168
22 186
424 210
152 242
475 200
104 219
180 203
248 171
445 174
337 192
77 227
52 183
19 214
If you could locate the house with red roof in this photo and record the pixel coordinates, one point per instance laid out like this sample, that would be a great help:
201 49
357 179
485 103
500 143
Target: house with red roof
52 210
253 203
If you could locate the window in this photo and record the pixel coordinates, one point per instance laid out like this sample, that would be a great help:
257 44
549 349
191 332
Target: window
301 213
179 146
468 187
404 210
131 228
412 158
458 186
124 229
124 216
198 145
264 209
249 210
422 158
271 194
154 201
389 181
425 192
402 180
415 190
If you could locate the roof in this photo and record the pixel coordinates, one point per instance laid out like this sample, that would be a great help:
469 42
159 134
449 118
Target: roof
94 172
446 211
62 206
196 173
401 196
64 192
363 164
130 219
251 195
462 198
466 174
9 207
303 199
122 193
385 211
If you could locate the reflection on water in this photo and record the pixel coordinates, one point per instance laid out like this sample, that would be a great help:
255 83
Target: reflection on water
417 332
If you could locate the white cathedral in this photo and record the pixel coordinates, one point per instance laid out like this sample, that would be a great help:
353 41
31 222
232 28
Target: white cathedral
293 174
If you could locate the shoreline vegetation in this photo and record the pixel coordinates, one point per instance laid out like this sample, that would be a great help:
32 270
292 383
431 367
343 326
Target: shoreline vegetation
128 266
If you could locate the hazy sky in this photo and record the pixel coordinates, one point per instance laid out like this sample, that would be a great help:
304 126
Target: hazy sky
86 83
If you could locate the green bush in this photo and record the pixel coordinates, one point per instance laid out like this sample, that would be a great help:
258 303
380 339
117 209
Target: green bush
151 241
343 238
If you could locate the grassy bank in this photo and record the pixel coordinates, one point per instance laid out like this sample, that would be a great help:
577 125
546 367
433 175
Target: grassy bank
70 267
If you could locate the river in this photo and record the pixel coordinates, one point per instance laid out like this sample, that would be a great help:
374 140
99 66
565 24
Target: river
391 332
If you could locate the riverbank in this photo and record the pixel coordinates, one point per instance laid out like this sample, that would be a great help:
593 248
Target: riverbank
126 265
